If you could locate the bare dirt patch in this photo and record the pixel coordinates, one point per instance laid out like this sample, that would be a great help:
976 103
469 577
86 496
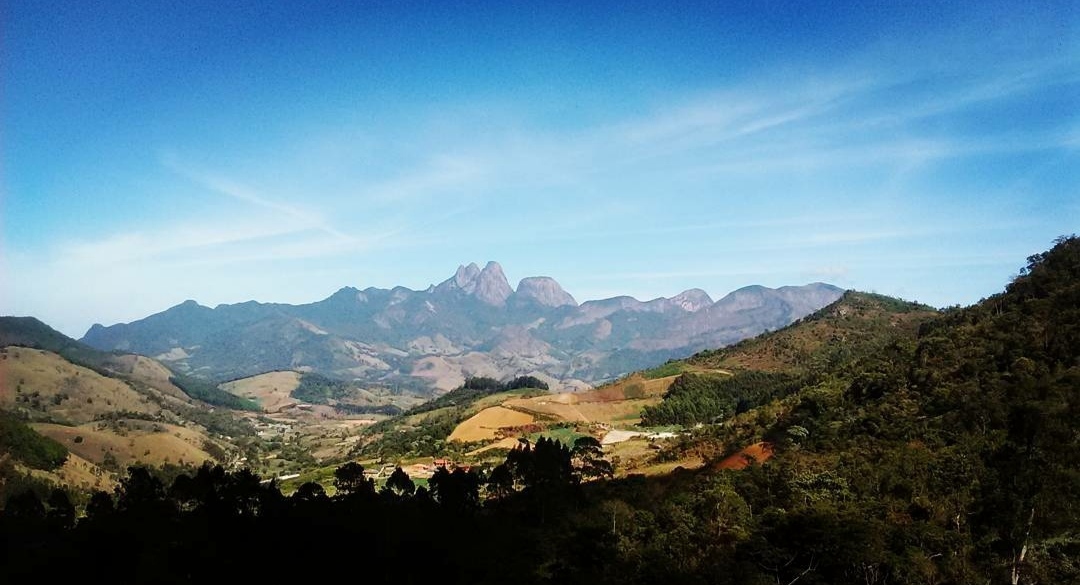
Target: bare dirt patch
756 453
617 436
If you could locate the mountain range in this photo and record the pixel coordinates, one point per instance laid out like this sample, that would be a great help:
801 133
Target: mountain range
472 324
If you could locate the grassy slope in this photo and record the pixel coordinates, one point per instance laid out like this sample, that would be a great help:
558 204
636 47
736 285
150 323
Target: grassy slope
80 474
94 399
32 333
46 385
857 325
49 388
130 442
272 390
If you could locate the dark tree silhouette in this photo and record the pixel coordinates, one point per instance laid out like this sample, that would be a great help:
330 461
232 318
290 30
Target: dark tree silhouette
61 512
349 480
309 492
500 482
457 490
100 506
25 507
140 492
588 456
400 484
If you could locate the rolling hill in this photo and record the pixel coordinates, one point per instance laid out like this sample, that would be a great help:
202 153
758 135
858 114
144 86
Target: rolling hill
107 410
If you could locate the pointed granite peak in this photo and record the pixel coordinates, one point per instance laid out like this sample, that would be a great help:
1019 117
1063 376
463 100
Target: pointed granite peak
492 286
545 291
488 285
465 277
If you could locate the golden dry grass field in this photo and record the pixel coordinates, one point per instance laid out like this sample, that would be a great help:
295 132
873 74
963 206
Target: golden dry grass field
619 403
148 371
622 412
616 404
43 381
79 473
505 443
484 425
129 442
270 390
634 386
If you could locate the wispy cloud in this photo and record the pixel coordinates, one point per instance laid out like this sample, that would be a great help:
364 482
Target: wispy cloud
223 185
172 240
683 176
440 174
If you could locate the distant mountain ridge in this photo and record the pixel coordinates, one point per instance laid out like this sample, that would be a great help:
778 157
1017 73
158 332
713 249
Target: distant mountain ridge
471 324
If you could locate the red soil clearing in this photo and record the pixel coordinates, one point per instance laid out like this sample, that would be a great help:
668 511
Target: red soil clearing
756 453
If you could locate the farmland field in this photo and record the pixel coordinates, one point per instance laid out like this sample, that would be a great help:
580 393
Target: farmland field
484 425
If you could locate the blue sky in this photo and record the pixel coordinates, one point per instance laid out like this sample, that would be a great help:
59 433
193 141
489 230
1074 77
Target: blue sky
158 151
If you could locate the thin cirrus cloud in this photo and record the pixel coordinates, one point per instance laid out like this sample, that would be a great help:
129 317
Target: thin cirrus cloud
726 132
754 129
170 241
750 131
684 176
231 188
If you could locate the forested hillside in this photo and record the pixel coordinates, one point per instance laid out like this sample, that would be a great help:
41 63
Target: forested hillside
932 449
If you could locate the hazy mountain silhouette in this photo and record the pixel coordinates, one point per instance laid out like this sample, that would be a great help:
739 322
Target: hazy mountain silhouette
472 324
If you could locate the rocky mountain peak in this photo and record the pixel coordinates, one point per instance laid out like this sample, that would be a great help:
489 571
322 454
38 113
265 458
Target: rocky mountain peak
492 286
488 285
545 291
465 277
463 280
692 300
